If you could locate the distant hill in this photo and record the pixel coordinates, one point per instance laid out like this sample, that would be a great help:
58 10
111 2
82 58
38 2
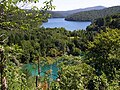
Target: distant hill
93 14
57 14
112 21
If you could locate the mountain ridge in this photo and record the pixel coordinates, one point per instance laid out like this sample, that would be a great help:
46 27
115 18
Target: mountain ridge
93 14
57 14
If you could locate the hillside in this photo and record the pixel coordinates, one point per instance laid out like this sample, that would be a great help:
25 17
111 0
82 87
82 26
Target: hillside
106 22
93 14
57 14
79 60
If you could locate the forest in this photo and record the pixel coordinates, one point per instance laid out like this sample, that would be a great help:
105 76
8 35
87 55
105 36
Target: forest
63 14
88 59
93 14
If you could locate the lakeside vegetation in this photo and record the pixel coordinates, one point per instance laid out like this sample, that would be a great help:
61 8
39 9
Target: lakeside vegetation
112 21
63 14
93 14
90 59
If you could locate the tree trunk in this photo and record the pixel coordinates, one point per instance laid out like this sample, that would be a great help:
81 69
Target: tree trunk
4 84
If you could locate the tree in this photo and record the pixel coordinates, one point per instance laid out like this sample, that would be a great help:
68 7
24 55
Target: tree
76 51
77 75
93 14
104 53
100 22
112 21
14 18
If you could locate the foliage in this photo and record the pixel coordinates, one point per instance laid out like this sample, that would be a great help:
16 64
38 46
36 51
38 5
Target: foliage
48 42
15 78
22 40
12 19
104 54
103 23
77 75
93 14
63 14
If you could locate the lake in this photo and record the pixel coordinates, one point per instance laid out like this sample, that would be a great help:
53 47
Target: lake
68 25
33 70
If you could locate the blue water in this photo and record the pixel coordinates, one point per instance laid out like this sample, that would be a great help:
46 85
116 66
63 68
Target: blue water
68 25
33 70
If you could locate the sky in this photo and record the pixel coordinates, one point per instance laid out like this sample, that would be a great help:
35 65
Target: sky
63 5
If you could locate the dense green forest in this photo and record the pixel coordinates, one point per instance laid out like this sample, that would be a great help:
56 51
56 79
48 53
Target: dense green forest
93 14
55 14
112 21
63 14
88 59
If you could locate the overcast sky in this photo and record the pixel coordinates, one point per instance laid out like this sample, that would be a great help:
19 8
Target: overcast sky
62 5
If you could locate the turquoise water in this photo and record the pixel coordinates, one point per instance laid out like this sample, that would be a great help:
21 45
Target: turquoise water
33 70
68 25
